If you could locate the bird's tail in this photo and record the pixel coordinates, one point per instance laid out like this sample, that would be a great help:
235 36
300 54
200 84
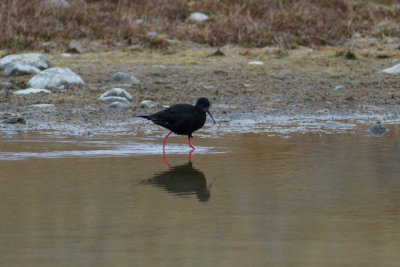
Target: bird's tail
144 117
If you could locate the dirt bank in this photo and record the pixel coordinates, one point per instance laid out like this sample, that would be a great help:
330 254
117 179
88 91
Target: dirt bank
290 82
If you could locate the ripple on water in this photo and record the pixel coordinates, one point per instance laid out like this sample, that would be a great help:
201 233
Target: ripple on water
105 149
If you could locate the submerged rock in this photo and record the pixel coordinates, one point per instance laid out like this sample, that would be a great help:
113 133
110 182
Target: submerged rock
197 16
116 95
377 129
60 78
17 69
125 77
35 60
14 120
31 91
393 70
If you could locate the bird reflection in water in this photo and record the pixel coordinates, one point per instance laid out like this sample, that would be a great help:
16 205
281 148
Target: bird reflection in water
183 180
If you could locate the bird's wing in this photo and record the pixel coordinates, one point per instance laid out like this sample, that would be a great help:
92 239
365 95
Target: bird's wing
175 114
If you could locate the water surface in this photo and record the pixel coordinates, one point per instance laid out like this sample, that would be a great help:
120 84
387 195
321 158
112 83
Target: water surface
247 199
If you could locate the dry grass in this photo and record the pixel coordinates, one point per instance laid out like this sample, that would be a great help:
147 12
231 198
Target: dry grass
26 24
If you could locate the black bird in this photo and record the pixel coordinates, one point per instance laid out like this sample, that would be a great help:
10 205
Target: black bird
182 119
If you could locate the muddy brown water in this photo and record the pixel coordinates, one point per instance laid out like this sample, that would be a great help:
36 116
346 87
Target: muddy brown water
250 199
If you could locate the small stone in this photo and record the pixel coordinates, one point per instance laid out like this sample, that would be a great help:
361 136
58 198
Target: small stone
116 95
256 63
197 16
120 105
66 55
17 69
158 67
58 3
393 70
41 106
282 99
60 78
31 91
124 77
139 21
14 120
148 104
340 88
377 129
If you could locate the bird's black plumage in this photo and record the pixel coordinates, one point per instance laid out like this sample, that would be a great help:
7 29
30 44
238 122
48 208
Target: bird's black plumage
182 119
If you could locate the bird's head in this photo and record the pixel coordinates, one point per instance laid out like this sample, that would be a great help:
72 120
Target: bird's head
203 104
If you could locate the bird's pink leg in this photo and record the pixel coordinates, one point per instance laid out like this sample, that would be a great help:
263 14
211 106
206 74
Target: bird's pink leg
165 140
164 158
190 144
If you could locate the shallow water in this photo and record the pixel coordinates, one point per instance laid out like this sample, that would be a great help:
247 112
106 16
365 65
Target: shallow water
317 198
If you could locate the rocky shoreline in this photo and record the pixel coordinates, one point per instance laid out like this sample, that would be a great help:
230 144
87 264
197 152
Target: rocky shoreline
107 87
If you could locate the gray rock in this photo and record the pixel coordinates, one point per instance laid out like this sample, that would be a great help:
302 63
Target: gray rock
123 86
197 16
116 95
393 70
110 99
60 78
35 60
158 67
148 104
124 77
377 129
41 106
119 105
66 55
57 3
31 91
17 69
14 120
340 88
256 63
139 21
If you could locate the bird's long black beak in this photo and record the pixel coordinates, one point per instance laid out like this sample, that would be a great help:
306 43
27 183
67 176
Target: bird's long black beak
211 116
